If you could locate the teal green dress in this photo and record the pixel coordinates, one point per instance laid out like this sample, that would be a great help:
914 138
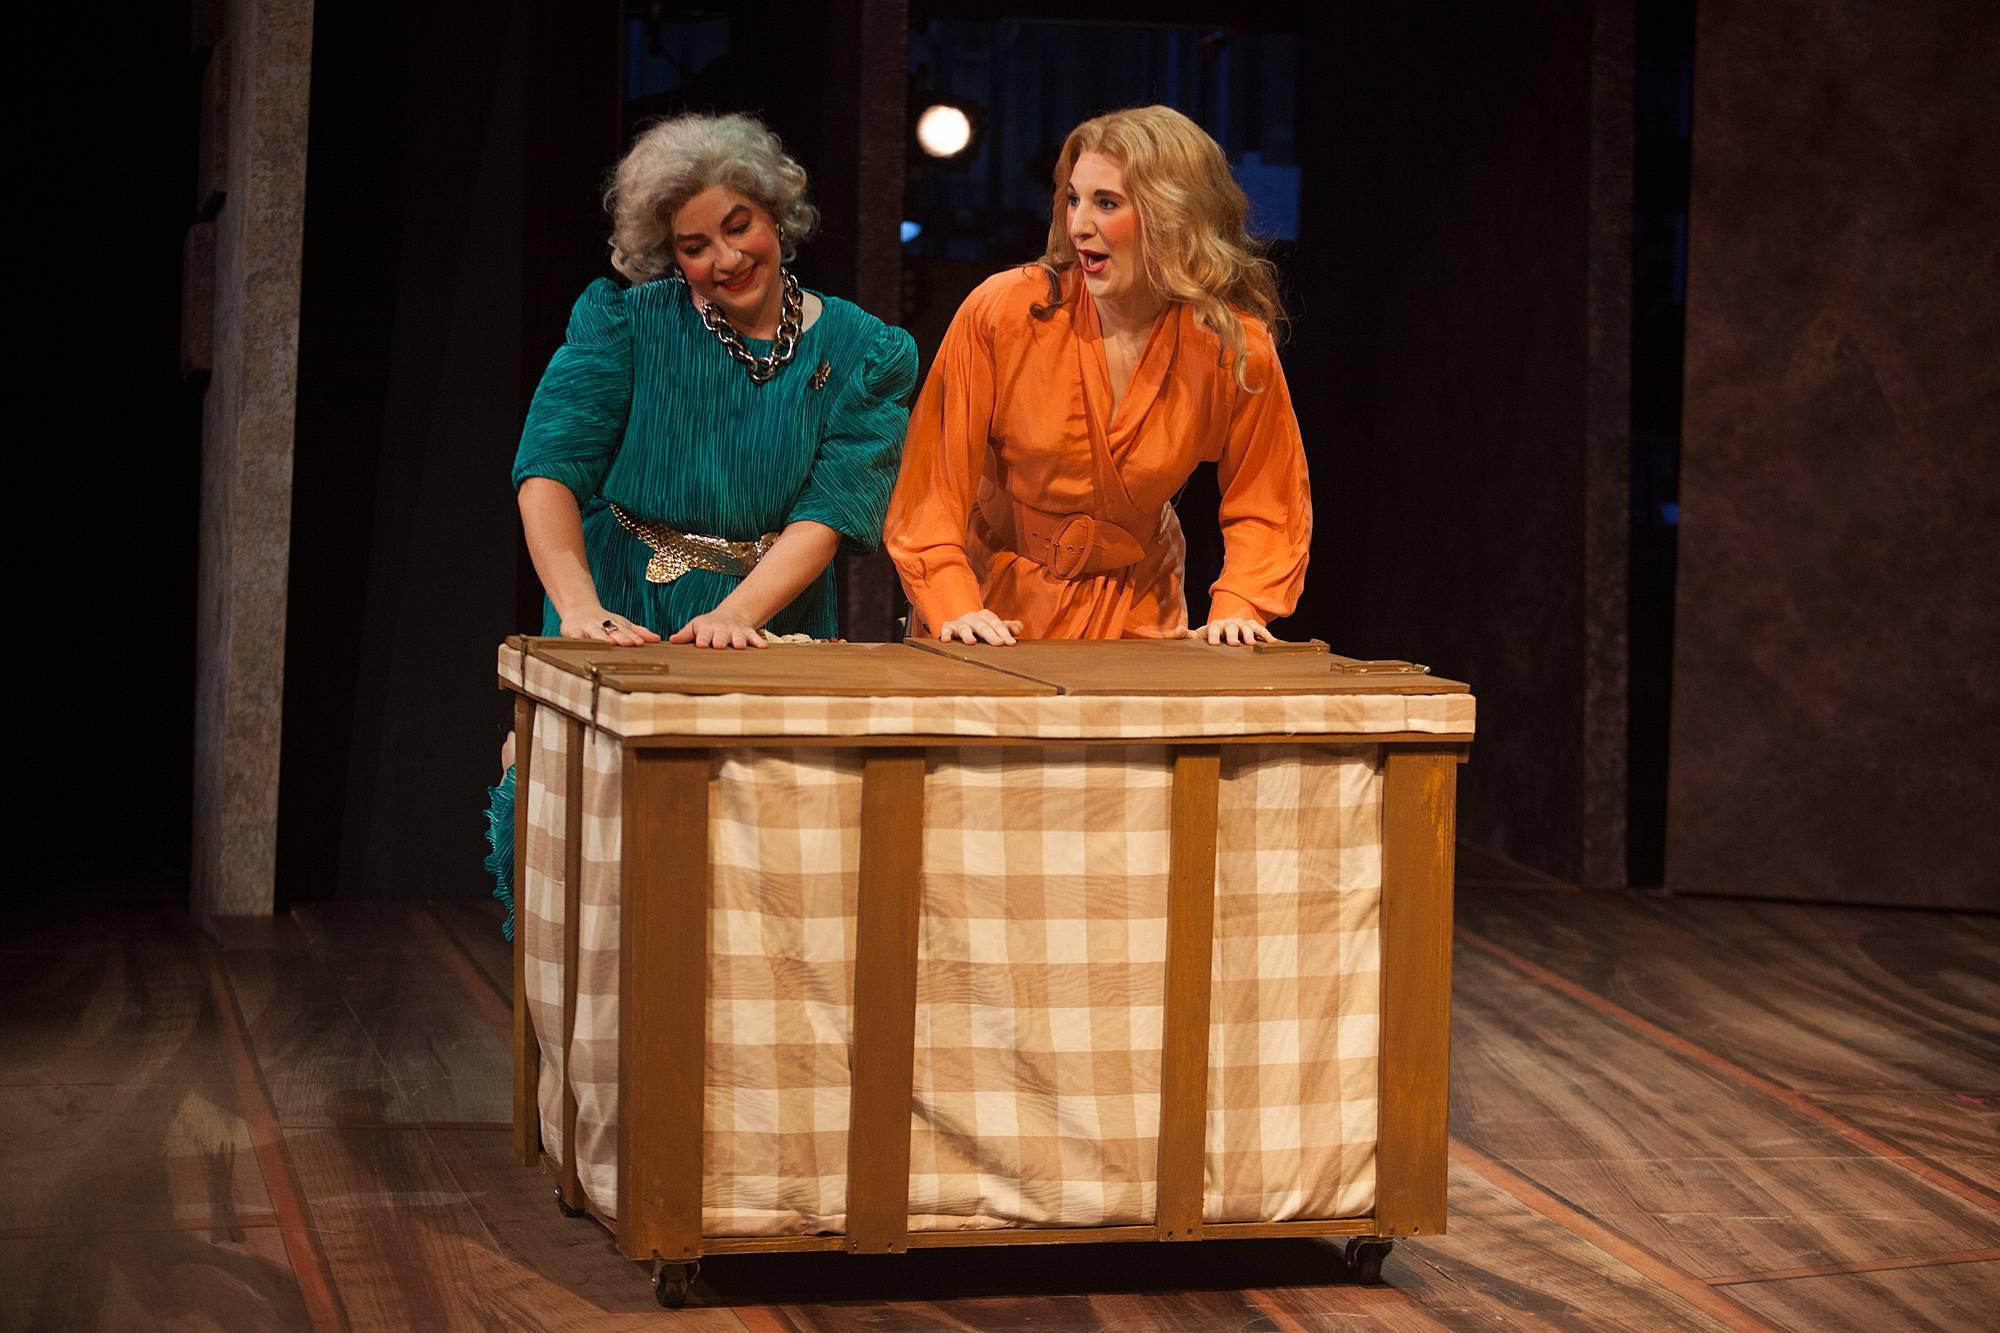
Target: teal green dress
641 407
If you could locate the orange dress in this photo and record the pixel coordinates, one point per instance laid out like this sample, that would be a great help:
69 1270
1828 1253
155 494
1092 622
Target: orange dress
1021 491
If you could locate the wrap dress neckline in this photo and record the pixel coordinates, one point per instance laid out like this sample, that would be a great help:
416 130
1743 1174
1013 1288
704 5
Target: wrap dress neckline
1115 431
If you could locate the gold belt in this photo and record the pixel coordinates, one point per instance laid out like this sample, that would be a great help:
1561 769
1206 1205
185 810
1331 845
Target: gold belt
675 552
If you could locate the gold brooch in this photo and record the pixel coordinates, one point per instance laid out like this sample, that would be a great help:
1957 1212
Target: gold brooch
820 376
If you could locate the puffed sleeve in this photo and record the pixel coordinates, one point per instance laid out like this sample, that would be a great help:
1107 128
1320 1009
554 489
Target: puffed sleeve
943 460
855 465
577 418
1266 513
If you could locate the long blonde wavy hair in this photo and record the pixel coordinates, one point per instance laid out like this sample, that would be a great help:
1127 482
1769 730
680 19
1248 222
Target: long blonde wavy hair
1194 245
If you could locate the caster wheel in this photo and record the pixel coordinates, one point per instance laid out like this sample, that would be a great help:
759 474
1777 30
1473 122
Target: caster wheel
568 1211
671 1282
1364 1258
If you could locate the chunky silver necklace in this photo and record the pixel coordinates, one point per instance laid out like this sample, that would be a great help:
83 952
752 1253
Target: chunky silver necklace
760 368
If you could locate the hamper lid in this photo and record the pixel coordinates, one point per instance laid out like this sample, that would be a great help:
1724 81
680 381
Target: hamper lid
1187 667
925 692
818 669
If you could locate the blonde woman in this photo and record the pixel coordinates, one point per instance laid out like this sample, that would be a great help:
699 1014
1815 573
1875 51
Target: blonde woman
1071 399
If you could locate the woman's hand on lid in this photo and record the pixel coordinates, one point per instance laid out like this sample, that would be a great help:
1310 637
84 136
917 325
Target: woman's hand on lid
981 626
606 627
718 629
1233 630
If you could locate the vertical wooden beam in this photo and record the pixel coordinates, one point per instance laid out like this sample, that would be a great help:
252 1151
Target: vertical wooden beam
1419 816
527 1053
1190 955
573 733
663 1001
885 1001
247 462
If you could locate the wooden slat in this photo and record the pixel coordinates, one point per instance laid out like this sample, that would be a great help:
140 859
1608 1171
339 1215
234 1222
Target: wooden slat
1430 738
1190 948
573 734
941 1240
1419 807
711 1245
932 1240
1330 1226
527 1053
1181 667
885 954
1333 1226
663 1004
850 669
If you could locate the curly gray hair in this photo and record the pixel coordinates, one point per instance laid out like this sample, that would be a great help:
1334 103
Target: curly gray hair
677 159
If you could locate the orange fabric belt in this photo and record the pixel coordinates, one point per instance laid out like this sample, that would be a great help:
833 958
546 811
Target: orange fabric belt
1070 546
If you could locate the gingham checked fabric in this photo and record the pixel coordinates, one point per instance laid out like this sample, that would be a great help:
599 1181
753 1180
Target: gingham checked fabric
1041 979
540 906
784 831
1040 984
1295 1007
593 1055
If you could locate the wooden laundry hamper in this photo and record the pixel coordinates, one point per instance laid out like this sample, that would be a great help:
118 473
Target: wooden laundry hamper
908 773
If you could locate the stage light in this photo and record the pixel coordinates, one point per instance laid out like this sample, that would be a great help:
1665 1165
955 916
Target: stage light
911 230
944 130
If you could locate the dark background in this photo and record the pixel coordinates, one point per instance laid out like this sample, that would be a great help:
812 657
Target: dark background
1458 171
104 463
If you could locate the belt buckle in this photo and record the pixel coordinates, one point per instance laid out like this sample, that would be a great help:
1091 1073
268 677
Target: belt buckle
1071 550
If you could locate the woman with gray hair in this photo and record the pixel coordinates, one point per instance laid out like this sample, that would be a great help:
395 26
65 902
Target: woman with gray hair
708 436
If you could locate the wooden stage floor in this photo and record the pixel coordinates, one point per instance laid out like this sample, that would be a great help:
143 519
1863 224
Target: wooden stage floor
1667 1113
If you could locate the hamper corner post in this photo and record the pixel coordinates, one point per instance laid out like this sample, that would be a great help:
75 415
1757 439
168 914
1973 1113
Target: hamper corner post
1419 819
663 1000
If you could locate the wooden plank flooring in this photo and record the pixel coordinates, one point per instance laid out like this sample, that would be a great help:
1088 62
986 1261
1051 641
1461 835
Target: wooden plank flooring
1668 1113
